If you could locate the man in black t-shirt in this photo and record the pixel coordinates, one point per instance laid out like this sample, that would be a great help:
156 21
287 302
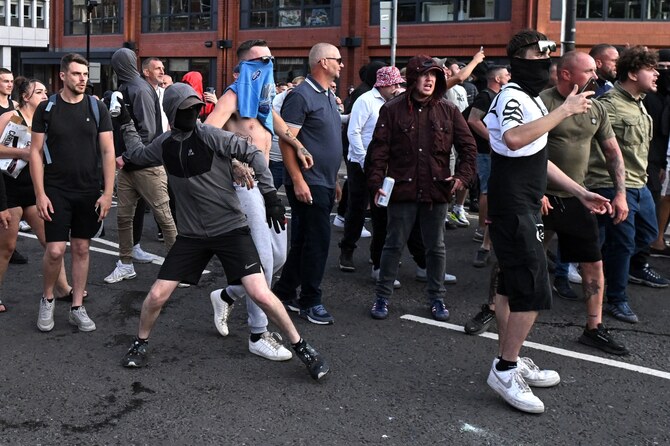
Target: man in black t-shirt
68 137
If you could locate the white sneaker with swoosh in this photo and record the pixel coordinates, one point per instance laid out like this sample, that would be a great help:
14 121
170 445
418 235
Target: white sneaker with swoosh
514 390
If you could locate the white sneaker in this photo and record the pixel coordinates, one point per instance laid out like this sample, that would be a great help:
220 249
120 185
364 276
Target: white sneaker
536 377
121 272
422 276
365 233
80 318
221 311
514 390
141 256
573 274
24 226
374 275
45 320
269 346
338 222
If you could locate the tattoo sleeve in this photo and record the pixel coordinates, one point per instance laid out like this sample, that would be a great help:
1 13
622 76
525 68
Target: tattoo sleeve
615 166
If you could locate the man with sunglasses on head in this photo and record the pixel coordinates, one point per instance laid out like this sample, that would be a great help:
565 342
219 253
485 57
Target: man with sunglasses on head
246 110
311 113
518 122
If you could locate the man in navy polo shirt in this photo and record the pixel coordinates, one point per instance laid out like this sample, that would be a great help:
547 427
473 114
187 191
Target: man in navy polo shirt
311 113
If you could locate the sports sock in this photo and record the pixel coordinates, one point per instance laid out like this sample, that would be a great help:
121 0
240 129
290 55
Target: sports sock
504 366
226 297
255 337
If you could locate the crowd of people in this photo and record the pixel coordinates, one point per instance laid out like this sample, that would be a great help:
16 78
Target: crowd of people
581 154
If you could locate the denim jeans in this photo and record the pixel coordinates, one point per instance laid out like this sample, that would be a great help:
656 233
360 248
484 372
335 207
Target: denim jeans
308 252
620 242
358 202
561 267
401 219
277 170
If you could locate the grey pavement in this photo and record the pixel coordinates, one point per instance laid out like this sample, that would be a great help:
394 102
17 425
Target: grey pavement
392 382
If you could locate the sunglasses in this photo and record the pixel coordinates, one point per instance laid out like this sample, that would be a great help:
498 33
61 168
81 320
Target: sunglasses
544 45
338 59
265 59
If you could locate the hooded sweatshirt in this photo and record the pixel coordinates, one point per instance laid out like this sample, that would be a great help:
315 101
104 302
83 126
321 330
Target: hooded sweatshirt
198 164
194 79
140 96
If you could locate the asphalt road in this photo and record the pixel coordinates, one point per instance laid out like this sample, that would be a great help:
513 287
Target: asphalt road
401 381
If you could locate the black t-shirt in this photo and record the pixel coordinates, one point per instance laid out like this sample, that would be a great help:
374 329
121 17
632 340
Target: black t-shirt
72 141
10 107
516 185
482 102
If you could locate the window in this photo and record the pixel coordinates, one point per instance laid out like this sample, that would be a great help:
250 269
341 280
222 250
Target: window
106 18
178 67
421 11
2 12
289 13
161 16
40 14
635 10
288 68
14 13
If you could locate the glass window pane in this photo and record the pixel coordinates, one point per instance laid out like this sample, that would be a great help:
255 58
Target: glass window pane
316 17
407 13
290 17
589 9
624 9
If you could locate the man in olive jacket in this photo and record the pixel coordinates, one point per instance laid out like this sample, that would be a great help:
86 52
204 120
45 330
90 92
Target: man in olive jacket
412 144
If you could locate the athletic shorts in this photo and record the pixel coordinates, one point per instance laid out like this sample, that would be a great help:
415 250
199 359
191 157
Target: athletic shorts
20 192
75 216
518 244
576 227
188 257
483 171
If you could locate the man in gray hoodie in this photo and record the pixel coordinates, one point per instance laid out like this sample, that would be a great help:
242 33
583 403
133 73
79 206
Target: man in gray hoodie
135 181
197 159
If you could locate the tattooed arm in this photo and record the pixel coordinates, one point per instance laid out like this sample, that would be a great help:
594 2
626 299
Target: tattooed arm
616 169
284 134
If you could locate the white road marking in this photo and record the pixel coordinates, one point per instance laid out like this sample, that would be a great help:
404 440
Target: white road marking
548 348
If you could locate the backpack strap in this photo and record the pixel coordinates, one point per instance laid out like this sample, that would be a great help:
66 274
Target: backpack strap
47 112
95 108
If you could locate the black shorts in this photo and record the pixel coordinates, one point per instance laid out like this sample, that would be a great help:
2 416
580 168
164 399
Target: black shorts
74 215
518 244
576 227
188 257
20 192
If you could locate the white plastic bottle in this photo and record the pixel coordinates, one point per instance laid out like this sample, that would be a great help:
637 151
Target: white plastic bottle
114 104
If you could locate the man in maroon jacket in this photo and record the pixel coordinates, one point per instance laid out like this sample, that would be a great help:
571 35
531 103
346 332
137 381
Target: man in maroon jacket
412 144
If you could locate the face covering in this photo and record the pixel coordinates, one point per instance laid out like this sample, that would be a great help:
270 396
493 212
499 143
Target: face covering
184 120
663 82
532 75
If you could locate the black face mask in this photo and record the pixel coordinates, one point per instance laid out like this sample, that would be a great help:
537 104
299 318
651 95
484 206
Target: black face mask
185 119
532 75
663 82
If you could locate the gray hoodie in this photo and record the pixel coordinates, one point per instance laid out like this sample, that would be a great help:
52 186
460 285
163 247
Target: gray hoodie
138 94
198 164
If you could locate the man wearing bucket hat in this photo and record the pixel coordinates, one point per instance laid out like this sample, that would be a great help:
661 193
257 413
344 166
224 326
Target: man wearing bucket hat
412 144
362 121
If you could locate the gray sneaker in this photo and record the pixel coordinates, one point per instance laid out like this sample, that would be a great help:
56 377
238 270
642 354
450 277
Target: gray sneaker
79 318
45 320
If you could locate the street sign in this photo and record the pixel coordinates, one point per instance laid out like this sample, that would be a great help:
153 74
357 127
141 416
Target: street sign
94 72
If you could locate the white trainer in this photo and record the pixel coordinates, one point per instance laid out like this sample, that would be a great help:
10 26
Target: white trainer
121 272
573 274
514 390
374 275
461 217
141 256
45 320
536 377
338 222
24 226
269 346
221 311
365 233
422 276
80 318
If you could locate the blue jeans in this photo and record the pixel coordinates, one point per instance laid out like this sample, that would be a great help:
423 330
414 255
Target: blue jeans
308 252
620 242
401 218
358 203
277 171
561 269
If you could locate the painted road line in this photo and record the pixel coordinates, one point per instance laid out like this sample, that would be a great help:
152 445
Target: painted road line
548 348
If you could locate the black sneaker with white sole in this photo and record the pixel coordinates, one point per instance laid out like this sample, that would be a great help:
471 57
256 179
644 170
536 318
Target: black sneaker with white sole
316 365
137 355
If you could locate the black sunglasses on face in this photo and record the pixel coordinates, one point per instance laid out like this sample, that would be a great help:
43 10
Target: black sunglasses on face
265 59
338 59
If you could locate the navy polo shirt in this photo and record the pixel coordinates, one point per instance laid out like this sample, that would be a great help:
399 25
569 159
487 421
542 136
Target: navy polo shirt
313 109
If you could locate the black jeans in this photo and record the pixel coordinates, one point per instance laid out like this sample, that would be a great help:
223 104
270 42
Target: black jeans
358 202
308 252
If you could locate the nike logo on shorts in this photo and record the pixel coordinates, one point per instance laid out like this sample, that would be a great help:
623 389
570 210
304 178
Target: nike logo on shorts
249 266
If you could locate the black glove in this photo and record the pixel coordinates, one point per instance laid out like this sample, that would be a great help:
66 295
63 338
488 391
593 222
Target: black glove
274 211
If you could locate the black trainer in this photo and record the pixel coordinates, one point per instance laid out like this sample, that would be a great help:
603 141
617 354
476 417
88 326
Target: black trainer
137 355
316 365
347 261
563 289
648 276
601 338
481 322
